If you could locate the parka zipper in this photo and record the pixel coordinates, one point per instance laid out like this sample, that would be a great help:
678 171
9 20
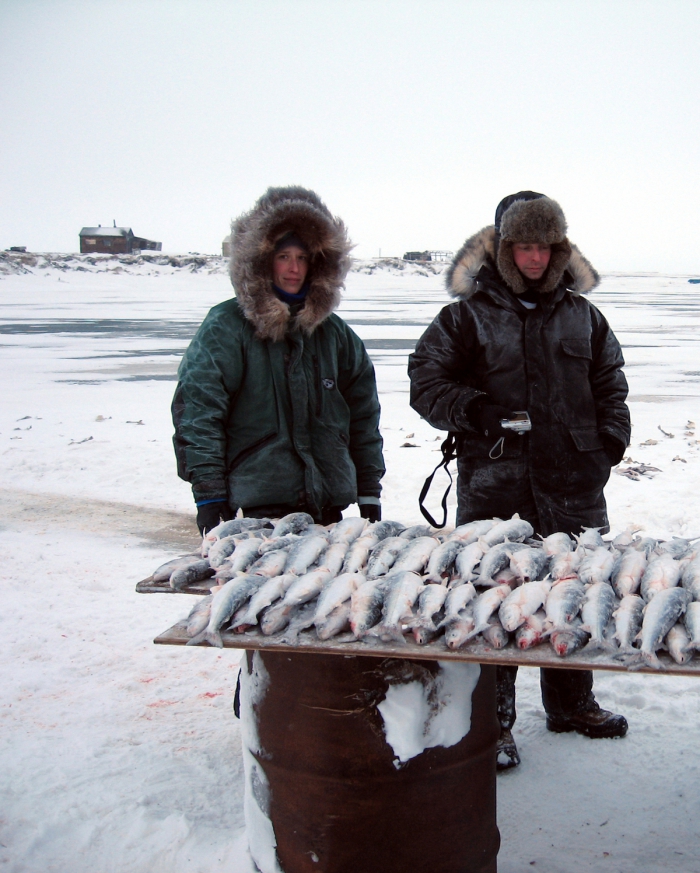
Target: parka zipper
317 375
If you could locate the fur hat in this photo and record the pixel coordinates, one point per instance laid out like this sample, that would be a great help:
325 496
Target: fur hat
279 213
528 217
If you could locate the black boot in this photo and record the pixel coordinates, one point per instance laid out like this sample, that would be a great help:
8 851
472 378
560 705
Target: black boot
568 700
507 755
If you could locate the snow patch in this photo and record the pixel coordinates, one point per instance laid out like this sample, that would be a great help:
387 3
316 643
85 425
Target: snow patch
262 842
419 716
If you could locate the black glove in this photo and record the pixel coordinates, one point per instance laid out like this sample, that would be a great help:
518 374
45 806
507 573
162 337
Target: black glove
485 417
210 514
614 449
371 511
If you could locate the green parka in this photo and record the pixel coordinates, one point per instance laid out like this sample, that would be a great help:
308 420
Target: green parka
274 407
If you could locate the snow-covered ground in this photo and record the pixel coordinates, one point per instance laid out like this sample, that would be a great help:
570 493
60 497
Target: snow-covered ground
118 755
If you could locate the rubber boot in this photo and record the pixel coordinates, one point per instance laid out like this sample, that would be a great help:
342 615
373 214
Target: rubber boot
507 755
568 700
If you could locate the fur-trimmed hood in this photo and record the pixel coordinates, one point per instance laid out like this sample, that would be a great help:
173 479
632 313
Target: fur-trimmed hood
483 249
253 238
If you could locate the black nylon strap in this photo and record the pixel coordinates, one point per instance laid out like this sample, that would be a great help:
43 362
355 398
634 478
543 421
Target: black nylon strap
449 453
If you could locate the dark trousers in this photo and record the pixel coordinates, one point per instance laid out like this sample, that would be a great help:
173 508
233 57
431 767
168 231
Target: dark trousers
563 691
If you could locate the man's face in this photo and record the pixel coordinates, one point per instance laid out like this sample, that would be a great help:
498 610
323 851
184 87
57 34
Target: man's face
532 259
289 268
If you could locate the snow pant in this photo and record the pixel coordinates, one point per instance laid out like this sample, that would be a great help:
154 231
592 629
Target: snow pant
564 692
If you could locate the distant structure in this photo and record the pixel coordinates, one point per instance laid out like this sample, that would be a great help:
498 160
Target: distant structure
428 256
226 246
20 249
114 241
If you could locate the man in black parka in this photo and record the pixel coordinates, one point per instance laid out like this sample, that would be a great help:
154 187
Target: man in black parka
520 338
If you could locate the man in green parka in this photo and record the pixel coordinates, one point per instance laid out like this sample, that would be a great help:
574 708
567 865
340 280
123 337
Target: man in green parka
276 406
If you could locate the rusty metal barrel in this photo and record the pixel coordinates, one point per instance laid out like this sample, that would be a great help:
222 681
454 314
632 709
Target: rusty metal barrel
358 763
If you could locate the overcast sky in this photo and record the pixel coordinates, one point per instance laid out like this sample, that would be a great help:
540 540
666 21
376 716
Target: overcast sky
410 119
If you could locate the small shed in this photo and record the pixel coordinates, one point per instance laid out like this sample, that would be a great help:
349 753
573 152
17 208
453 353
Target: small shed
226 247
114 241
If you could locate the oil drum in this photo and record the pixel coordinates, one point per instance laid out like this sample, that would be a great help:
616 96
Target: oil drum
359 764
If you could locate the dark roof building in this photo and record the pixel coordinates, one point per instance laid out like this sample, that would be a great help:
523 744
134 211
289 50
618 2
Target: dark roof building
114 241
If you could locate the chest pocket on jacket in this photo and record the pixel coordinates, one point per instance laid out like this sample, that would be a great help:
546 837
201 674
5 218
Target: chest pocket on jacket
577 348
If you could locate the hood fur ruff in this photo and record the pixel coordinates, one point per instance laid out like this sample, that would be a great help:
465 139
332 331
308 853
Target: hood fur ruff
253 237
481 249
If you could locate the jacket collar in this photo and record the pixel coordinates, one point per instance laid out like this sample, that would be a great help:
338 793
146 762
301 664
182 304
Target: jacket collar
577 275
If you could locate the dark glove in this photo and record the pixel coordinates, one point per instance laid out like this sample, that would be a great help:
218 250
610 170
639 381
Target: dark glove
614 449
371 511
485 417
210 514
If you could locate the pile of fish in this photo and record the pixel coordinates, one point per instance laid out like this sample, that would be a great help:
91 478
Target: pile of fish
488 579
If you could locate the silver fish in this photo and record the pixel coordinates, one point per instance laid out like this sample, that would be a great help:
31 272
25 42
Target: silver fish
417 530
384 529
528 563
245 553
459 628
442 558
337 621
347 530
596 613
270 564
332 559
690 578
221 550
514 529
366 606
165 571
276 617
472 530
384 555
305 553
565 565
590 538
495 635
356 556
416 555
486 604
564 602
284 542
402 593
532 631
337 591
430 603
457 598
677 642
224 603
466 561
661 572
232 528
190 574
597 566
660 614
523 602
199 616
628 621
495 559
269 592
676 546
692 624
566 641
295 522
628 571
306 587
557 544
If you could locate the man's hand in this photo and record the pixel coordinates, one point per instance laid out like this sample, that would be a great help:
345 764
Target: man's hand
211 514
371 511
614 448
486 417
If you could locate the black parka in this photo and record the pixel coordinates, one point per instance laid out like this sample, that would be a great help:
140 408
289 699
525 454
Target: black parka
561 362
